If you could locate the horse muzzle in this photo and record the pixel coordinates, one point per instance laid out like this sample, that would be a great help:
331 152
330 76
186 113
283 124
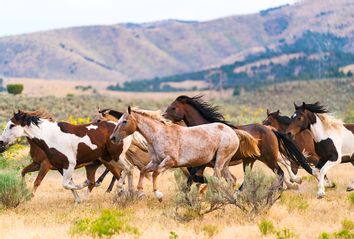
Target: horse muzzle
115 139
2 146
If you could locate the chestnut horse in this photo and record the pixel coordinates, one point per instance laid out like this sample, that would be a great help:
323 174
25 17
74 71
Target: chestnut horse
68 146
171 145
194 111
334 138
303 140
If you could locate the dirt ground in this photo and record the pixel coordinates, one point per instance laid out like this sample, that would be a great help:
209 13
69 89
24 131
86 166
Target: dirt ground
52 211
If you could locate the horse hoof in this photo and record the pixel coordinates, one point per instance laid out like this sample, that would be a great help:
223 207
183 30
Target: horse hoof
141 195
349 189
158 195
320 195
160 199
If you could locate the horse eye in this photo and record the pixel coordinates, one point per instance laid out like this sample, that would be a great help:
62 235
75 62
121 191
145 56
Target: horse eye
124 122
11 126
299 118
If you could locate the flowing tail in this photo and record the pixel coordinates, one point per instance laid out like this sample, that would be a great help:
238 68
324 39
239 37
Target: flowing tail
290 151
248 144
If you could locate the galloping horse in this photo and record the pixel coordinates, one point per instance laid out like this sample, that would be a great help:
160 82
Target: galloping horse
69 146
193 111
171 145
303 140
335 138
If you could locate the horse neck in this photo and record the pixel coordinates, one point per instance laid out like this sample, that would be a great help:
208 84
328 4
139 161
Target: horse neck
282 126
147 127
193 117
42 131
318 129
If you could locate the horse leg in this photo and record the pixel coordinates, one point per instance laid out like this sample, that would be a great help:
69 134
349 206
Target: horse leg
328 165
90 175
113 168
128 170
100 179
166 163
293 177
45 166
32 167
151 166
246 163
111 184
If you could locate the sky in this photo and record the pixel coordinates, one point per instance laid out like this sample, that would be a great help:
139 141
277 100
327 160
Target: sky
25 16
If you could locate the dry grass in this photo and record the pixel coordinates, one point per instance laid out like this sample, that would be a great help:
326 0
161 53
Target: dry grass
52 212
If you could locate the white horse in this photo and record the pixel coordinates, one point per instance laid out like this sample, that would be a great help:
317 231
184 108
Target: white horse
332 135
172 145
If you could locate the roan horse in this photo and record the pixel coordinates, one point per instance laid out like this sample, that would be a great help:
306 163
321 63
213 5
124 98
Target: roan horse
69 146
335 139
303 140
137 153
194 111
171 145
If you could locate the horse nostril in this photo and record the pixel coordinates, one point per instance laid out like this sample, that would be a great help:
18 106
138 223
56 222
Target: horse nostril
113 138
289 133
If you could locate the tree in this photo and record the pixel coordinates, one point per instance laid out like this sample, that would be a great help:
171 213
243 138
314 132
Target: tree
14 89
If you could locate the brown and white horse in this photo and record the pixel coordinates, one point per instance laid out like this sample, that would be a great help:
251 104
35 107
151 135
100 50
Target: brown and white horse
331 134
171 145
69 146
303 140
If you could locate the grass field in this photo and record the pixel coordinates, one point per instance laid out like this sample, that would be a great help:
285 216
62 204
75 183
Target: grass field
52 212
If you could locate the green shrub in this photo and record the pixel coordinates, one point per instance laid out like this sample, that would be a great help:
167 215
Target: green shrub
210 230
343 234
109 223
14 89
324 235
266 227
13 190
348 225
173 235
294 202
286 234
351 198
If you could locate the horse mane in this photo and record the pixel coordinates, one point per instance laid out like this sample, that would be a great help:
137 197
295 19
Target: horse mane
209 112
330 121
114 113
314 108
155 115
283 119
33 117
323 114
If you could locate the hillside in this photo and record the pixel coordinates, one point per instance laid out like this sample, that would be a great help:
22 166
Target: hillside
140 51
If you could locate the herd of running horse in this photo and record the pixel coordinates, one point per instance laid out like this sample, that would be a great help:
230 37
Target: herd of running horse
190 134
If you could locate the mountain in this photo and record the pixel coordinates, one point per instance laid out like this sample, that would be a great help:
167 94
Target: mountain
140 51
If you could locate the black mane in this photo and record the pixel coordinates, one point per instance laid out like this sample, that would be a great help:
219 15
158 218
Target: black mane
314 108
26 119
208 111
283 119
114 113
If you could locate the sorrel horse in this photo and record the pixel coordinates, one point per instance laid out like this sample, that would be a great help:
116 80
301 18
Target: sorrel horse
303 140
335 138
194 111
137 153
171 145
69 146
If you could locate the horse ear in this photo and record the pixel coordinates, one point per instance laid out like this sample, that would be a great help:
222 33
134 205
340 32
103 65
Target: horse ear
268 113
303 106
129 109
296 107
278 112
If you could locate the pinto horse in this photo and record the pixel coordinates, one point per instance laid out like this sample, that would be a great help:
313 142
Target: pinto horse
194 111
330 134
303 140
68 146
171 145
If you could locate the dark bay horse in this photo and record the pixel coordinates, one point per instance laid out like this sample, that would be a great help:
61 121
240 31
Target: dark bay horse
303 140
194 111
67 146
334 138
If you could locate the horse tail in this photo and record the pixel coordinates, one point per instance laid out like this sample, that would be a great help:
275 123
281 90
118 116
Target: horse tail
288 149
248 144
139 141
